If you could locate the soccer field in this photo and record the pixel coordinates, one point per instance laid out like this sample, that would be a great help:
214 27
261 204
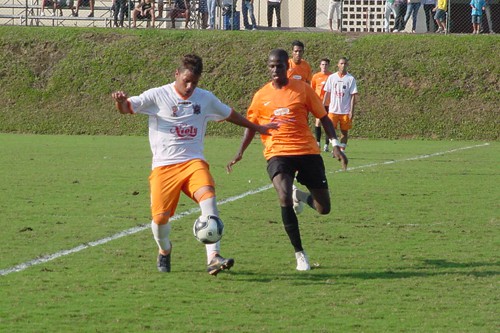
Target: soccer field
411 244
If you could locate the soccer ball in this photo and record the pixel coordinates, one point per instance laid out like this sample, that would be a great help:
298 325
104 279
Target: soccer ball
208 230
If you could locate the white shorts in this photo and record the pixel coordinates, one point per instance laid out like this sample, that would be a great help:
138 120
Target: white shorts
332 7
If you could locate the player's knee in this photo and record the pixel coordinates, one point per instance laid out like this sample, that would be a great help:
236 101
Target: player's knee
161 218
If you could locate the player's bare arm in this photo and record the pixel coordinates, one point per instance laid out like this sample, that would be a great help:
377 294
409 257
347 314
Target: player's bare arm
238 119
247 139
121 102
330 132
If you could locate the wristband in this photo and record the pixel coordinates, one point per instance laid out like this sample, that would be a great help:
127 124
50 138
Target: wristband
335 142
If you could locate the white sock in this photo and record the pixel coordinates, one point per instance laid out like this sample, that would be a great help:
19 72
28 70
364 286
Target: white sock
161 233
209 207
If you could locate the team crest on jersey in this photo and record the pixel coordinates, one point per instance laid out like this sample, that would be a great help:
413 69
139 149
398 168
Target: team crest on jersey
281 111
196 109
174 110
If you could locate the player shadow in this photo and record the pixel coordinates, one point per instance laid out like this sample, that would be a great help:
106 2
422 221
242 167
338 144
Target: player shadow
428 269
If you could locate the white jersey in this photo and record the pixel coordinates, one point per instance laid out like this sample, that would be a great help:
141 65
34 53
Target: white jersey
340 89
177 126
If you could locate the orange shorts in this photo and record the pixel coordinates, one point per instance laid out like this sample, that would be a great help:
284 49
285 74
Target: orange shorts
343 119
167 182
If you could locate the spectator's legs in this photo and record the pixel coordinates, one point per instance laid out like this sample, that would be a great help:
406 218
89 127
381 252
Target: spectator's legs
252 15
389 8
244 13
160 8
487 11
269 14
428 18
212 6
278 15
337 7
91 4
187 14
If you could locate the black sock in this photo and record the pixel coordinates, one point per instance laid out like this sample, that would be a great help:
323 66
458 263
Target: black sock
291 224
317 131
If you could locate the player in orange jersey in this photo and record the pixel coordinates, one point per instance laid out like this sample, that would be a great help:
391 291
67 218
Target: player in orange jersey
298 68
178 115
291 151
317 83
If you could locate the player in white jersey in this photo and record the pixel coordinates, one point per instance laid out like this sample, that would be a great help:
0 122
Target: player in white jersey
341 94
178 116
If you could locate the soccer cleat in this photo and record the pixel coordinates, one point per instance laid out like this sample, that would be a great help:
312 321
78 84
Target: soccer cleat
218 264
302 261
325 148
163 263
298 206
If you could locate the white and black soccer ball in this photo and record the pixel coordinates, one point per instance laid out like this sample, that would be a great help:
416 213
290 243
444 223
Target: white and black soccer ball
208 230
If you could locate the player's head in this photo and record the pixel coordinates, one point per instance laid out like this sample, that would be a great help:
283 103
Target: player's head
342 65
324 64
188 74
277 64
297 51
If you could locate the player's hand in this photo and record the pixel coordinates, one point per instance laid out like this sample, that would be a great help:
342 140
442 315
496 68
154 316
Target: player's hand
236 159
340 156
264 129
119 96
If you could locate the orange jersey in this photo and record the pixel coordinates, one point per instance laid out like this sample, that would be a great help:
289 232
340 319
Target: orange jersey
301 71
318 82
289 106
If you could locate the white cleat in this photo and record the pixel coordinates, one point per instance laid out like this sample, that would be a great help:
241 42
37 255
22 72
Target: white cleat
298 206
302 261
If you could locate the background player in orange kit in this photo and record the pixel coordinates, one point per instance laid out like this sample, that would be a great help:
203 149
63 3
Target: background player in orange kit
317 83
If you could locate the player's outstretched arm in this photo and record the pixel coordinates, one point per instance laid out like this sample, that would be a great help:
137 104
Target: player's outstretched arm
238 119
330 131
247 138
121 102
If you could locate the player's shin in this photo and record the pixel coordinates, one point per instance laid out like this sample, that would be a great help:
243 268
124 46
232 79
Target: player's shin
161 234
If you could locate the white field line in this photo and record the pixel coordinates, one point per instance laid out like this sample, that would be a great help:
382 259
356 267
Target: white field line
134 230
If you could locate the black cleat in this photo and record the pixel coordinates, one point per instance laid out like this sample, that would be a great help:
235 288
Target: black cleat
218 264
163 263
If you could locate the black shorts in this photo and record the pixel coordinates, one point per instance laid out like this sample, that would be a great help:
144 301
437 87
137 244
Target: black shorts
308 169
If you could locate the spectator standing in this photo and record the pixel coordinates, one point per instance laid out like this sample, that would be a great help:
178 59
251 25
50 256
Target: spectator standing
79 3
412 10
291 152
120 9
334 10
178 116
440 16
477 8
399 20
487 12
203 8
248 10
318 83
274 6
180 10
144 10
429 17
341 92
389 8
298 68
212 6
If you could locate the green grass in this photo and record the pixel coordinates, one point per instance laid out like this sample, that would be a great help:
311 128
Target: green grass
59 81
411 244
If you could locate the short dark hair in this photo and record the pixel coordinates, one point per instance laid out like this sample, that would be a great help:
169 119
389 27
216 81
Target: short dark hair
192 63
325 60
298 43
280 53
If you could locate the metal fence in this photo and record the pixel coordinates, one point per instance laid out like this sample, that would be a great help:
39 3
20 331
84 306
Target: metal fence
317 15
